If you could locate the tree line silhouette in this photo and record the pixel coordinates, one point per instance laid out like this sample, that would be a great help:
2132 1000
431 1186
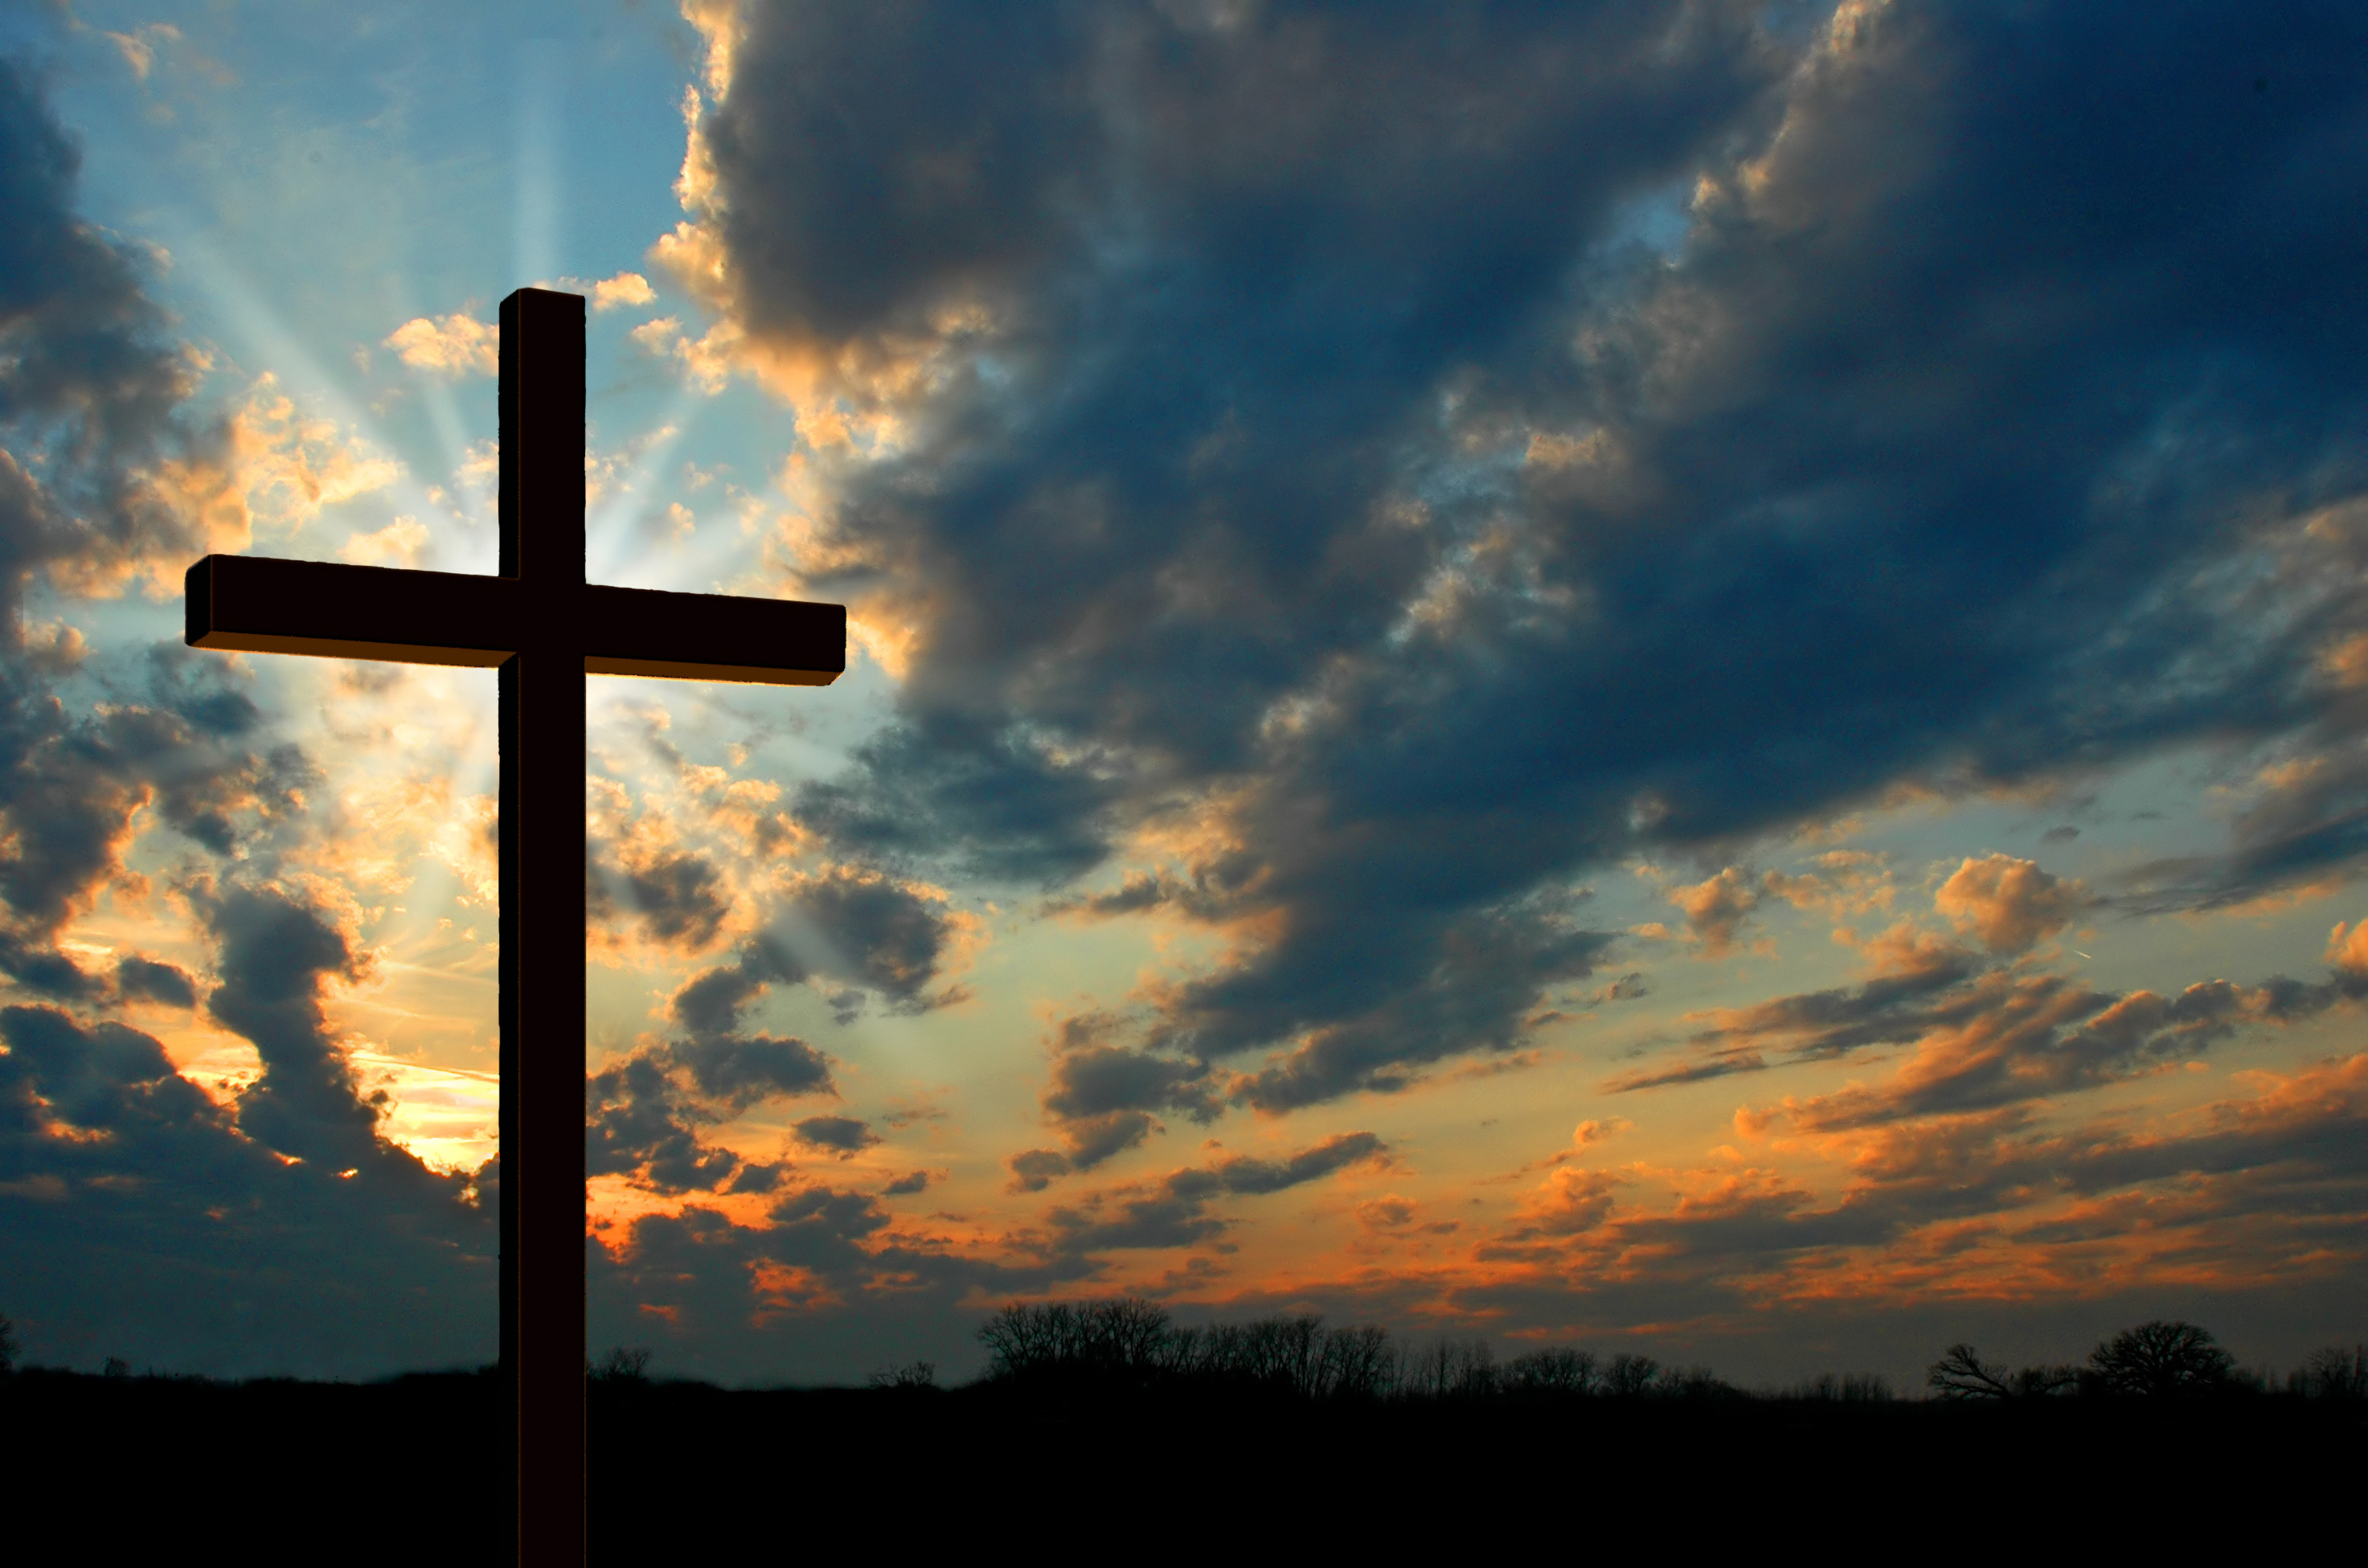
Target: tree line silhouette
1096 1404
1131 1343
1127 1344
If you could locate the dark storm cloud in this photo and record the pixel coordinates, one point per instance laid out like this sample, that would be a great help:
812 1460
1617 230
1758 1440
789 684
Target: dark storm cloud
143 1219
275 955
90 384
644 1124
280 1232
91 391
867 932
876 933
737 1071
1103 1098
938 789
646 1110
148 979
1323 433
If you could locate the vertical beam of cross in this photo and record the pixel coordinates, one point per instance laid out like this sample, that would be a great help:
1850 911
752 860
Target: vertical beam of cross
542 867
544 628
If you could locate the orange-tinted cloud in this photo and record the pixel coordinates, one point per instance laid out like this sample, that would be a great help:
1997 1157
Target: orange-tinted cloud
2009 904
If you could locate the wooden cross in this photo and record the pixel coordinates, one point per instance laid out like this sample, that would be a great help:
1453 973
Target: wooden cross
544 628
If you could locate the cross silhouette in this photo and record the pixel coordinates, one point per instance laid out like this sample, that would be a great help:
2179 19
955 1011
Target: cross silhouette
544 628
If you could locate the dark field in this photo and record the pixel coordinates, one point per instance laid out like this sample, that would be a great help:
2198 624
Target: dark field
156 1469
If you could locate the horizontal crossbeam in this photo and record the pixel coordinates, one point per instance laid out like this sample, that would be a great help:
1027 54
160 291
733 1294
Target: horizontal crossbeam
250 604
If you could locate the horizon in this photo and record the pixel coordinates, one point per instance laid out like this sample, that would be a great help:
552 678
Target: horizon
1680 681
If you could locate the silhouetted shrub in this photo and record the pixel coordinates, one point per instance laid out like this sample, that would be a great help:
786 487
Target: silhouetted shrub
910 1375
7 1346
620 1366
1694 1382
2157 1359
115 1367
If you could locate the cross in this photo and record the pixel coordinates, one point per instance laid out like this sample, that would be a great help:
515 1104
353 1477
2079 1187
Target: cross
544 628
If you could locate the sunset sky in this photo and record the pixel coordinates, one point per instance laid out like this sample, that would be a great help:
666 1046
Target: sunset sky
1674 677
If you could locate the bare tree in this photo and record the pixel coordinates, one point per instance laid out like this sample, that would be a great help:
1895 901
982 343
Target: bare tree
1629 1376
1849 1388
1556 1371
1450 1367
1698 1383
1961 1373
2038 1382
1124 1339
2161 1358
2333 1373
620 1366
1358 1362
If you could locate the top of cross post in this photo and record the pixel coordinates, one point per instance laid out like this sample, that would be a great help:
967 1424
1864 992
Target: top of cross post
542 437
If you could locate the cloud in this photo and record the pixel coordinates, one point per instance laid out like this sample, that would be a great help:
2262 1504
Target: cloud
453 346
101 476
840 1135
850 933
1033 1170
399 543
646 1110
278 1233
2347 948
275 1229
1174 1210
1420 500
1715 909
680 897
1103 1097
624 289
1245 1175
150 980
790 1294
738 1072
1337 480
1982 1036
2011 904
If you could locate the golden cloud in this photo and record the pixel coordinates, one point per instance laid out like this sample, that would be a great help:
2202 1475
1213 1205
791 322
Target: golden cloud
453 346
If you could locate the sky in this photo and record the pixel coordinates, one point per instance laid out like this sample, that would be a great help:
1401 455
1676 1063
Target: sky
1687 679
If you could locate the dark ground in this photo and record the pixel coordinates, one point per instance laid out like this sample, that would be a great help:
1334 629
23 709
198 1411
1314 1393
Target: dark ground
152 1469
